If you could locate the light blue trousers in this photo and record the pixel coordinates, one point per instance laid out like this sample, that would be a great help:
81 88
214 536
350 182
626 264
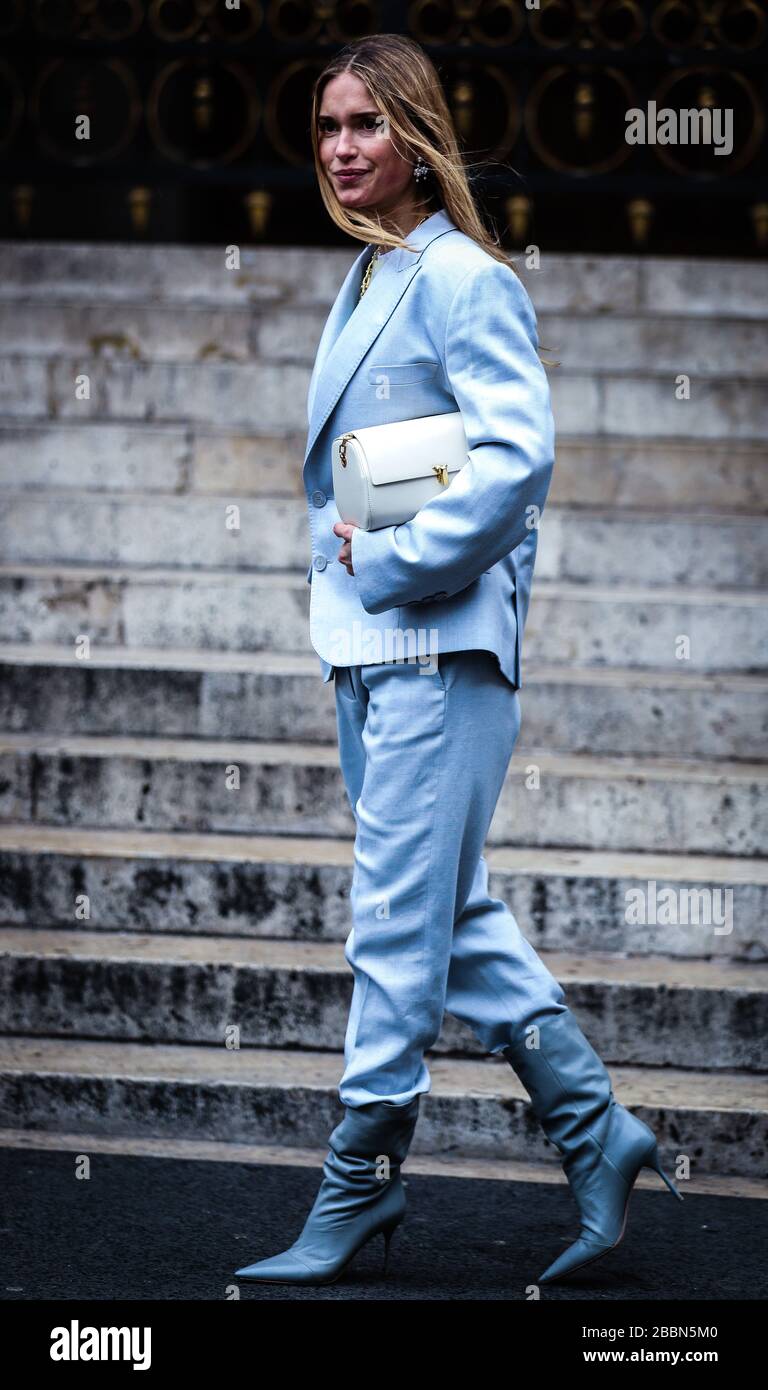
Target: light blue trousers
425 747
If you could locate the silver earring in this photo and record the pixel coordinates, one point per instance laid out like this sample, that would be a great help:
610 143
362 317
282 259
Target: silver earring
421 170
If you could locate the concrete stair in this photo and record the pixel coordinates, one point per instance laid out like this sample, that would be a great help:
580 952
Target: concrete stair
74 528
592 470
475 1108
296 994
201 694
297 888
569 625
582 802
147 910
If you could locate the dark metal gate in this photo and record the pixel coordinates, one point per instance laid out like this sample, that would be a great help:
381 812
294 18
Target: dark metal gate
196 114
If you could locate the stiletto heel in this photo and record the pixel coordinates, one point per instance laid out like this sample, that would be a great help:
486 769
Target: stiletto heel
655 1162
388 1232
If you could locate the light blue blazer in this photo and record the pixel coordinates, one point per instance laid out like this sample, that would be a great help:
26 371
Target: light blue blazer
440 328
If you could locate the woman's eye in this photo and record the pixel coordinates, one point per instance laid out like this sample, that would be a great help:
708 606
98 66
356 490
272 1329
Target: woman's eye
368 124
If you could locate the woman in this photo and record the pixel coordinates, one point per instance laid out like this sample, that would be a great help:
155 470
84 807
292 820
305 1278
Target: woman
432 317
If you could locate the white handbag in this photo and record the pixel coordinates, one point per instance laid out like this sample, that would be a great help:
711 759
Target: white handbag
383 474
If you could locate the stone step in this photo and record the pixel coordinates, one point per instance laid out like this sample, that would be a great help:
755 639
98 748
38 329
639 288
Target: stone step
642 547
192 333
581 802
71 271
152 458
660 474
274 393
120 690
671 474
653 343
281 1155
298 888
573 625
473 1109
156 988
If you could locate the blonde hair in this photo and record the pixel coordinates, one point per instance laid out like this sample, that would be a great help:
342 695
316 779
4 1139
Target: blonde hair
405 85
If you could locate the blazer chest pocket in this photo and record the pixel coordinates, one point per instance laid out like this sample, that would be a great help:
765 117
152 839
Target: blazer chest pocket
402 373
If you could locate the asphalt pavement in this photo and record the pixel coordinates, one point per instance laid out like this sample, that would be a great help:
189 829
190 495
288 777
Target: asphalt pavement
157 1228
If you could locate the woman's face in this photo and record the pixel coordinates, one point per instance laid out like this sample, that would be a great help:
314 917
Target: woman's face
352 137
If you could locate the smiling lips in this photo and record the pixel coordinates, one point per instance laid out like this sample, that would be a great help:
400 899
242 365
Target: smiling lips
351 173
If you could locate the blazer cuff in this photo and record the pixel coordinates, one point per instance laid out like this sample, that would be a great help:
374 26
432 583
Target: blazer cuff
371 555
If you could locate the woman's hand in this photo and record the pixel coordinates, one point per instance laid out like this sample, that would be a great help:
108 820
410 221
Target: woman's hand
344 530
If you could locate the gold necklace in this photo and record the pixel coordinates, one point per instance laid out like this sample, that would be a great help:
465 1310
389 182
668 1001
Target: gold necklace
366 280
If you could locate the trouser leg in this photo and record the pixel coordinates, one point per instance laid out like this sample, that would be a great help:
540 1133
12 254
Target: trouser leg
497 984
424 757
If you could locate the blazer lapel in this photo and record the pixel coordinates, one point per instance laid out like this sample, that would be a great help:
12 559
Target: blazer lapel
354 324
343 305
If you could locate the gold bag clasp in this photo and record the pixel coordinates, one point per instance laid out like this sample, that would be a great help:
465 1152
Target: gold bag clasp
343 448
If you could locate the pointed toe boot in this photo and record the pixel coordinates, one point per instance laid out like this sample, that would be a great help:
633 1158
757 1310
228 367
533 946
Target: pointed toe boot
361 1196
604 1146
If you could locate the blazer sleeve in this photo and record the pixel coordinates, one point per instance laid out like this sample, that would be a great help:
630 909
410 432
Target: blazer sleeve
501 388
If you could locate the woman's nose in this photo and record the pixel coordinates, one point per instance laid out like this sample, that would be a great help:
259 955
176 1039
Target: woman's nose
346 143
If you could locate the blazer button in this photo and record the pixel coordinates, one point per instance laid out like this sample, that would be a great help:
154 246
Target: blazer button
319 562
319 499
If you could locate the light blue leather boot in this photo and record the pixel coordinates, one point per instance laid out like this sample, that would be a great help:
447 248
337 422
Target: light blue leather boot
604 1144
360 1197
